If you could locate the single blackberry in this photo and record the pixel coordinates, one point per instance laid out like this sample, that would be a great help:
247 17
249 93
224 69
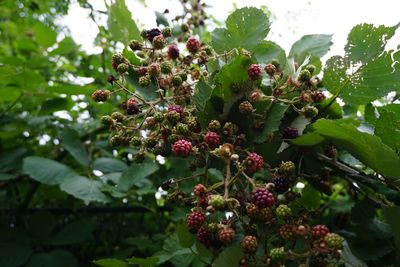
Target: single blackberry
212 139
262 198
150 34
254 162
182 148
254 72
319 231
286 232
249 244
281 184
290 133
226 235
200 190
204 235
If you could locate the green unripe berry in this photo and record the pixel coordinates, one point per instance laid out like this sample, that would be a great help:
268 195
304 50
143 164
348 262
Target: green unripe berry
135 45
214 125
177 80
216 201
166 67
304 76
136 141
287 168
118 116
107 120
311 68
310 112
182 128
283 211
334 241
150 142
158 42
122 68
145 80
158 117
173 116
277 253
183 76
167 32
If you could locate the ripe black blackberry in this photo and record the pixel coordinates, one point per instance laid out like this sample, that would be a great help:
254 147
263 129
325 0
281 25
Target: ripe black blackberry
290 133
281 183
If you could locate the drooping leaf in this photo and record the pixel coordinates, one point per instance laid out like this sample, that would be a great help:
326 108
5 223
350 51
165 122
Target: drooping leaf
74 232
368 148
387 127
109 165
186 239
161 19
84 188
245 28
47 171
145 262
44 35
111 263
120 23
14 254
309 139
310 197
272 122
135 173
266 51
315 45
365 42
230 256
202 94
73 144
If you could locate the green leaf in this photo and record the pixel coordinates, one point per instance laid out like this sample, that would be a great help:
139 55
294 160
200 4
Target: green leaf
186 239
47 171
74 146
120 23
365 147
392 217
272 122
315 45
309 139
14 255
145 262
161 19
266 51
387 127
365 41
57 257
135 173
83 188
348 259
366 83
310 197
202 94
45 36
230 256
110 263
41 224
245 28
55 104
74 232
109 165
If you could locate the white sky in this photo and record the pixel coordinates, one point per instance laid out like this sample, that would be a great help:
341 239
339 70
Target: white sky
292 18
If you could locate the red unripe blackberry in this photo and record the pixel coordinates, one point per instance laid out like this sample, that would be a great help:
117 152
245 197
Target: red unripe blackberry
286 232
319 231
318 96
281 183
254 72
277 92
226 235
173 51
200 190
182 148
290 133
154 69
101 95
152 33
212 139
195 220
254 162
178 109
117 59
256 95
246 108
132 106
270 69
204 235
262 198
158 42
193 45
143 71
249 244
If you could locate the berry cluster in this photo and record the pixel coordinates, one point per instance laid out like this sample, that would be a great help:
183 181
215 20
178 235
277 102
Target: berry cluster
161 118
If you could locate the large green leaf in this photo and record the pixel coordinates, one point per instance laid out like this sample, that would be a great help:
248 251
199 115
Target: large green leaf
202 94
111 263
363 84
245 28
368 148
392 217
316 45
266 51
13 255
186 239
310 197
272 122
44 35
230 256
387 127
84 188
57 257
120 23
47 171
72 143
109 165
74 232
365 41
135 173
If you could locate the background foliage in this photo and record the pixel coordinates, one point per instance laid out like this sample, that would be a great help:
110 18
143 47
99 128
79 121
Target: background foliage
68 198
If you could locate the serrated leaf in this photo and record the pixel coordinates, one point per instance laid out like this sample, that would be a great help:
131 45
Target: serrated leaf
367 148
365 41
266 51
310 197
245 28
387 127
120 23
309 139
315 45
145 262
83 188
74 146
186 239
135 173
202 94
272 122
47 171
